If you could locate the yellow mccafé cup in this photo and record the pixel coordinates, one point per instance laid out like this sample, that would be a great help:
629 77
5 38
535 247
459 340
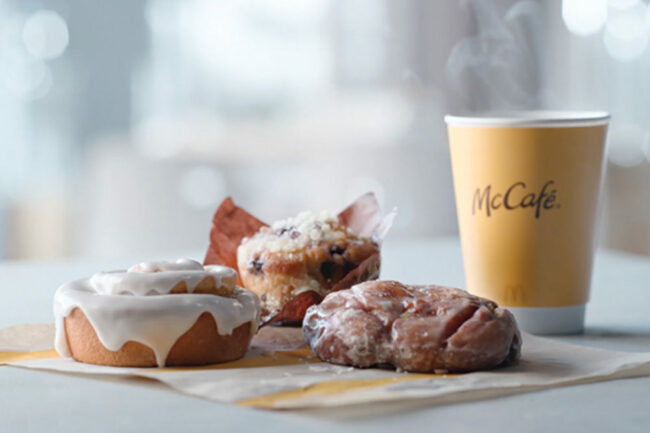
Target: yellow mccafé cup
527 189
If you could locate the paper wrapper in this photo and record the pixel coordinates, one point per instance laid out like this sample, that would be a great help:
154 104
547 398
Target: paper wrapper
279 372
231 224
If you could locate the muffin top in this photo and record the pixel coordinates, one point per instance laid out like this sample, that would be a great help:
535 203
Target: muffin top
298 233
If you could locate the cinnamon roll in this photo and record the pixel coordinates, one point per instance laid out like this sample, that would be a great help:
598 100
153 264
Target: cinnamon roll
156 314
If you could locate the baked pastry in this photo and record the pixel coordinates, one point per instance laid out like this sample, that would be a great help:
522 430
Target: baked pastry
294 263
413 328
302 254
156 314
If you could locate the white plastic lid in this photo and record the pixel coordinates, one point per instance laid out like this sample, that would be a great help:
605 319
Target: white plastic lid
524 119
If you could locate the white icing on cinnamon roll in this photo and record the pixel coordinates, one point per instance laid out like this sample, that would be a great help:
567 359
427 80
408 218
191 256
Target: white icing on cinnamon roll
152 278
137 305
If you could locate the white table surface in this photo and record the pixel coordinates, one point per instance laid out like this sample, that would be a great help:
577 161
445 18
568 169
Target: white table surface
617 318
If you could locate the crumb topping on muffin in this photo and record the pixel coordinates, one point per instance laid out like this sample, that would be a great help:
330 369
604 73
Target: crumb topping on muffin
301 231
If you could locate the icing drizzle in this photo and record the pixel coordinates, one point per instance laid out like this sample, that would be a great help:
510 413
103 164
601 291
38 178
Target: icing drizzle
135 305
160 278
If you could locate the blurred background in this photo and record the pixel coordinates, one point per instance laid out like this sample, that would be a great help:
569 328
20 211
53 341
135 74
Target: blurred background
124 123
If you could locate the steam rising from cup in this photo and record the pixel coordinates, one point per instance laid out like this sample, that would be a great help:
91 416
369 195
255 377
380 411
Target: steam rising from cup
497 68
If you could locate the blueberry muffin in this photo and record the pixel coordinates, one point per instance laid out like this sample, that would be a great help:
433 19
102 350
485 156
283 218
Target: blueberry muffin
306 256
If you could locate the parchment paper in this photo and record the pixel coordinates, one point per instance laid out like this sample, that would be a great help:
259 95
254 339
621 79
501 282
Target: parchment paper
279 372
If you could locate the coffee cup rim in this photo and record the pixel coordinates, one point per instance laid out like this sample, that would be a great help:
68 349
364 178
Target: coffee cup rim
531 119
